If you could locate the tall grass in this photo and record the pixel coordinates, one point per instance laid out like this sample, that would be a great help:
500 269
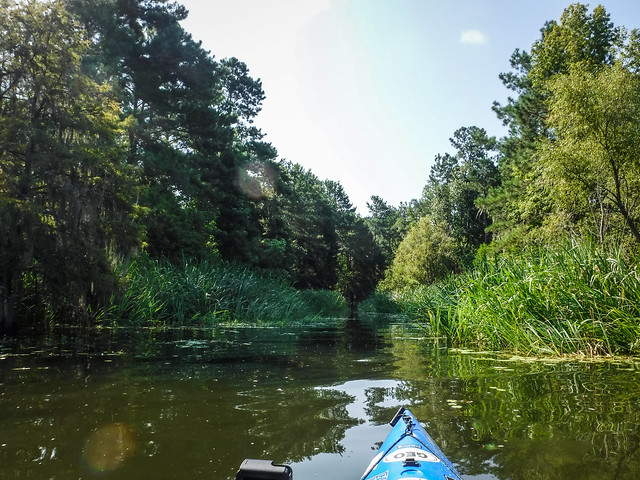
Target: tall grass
204 293
578 298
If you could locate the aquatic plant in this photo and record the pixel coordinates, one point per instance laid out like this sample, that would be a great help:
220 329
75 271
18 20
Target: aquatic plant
577 298
193 293
380 302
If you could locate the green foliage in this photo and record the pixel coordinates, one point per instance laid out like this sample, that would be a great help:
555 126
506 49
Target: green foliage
579 39
189 126
579 298
520 205
569 166
66 192
380 302
516 205
593 162
361 264
311 227
302 213
432 306
457 183
192 293
119 131
426 254
324 303
449 226
385 224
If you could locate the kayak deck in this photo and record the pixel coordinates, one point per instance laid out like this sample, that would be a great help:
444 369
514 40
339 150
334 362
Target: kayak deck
409 453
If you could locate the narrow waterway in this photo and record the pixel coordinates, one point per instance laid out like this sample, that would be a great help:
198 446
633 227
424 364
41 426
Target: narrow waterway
184 404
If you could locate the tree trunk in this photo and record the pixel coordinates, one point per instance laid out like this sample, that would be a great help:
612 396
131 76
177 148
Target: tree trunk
620 203
7 315
353 310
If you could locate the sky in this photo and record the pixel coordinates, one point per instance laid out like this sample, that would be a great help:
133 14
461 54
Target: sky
368 92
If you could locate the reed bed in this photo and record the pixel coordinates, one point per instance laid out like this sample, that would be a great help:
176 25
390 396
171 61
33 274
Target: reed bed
157 292
578 298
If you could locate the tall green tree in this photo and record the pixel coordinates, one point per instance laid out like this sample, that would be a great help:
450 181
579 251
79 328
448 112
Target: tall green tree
360 260
457 182
580 38
520 205
311 231
593 161
302 225
360 264
514 206
190 127
385 223
66 192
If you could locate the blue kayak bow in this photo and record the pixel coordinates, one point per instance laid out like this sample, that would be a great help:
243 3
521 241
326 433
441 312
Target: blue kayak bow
408 453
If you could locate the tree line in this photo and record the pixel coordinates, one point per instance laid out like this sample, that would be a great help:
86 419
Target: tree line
120 134
569 166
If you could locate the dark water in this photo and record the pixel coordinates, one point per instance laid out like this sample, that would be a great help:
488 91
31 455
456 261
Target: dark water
194 404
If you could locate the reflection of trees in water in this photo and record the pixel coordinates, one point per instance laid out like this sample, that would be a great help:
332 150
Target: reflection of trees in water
297 423
293 422
229 396
361 337
351 336
517 419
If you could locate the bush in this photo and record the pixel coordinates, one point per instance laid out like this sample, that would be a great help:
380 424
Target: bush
380 302
428 253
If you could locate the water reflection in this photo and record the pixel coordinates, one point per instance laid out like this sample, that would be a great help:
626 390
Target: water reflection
193 404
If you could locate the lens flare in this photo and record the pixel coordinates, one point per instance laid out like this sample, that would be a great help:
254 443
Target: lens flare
256 180
109 446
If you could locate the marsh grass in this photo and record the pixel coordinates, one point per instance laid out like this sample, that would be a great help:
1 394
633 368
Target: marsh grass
380 302
159 293
578 298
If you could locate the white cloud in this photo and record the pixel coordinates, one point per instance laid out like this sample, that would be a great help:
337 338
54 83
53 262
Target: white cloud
473 37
